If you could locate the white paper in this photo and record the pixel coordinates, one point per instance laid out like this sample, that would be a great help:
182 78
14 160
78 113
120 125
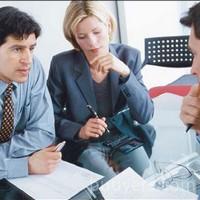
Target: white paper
129 185
66 181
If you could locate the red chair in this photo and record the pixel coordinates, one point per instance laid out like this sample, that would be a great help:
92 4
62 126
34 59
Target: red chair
181 90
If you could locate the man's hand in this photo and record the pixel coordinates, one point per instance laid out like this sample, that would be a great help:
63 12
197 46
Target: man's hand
93 128
44 161
190 109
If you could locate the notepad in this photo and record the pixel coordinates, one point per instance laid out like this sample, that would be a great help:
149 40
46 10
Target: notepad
65 182
129 185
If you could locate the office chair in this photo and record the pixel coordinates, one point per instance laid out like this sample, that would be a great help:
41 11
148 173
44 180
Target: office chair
171 51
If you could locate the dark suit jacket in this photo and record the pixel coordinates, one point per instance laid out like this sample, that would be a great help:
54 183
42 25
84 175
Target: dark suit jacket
71 89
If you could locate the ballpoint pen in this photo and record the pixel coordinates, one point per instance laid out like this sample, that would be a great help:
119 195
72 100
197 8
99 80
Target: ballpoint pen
94 113
189 126
60 146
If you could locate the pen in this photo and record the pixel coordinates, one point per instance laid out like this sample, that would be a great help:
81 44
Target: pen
189 126
94 113
60 146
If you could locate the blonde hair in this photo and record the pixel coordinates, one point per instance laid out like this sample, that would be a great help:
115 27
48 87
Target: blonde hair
79 10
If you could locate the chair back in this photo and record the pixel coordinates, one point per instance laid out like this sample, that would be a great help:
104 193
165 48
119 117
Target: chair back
169 51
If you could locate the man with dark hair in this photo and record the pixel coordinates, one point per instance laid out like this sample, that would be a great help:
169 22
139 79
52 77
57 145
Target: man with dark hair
190 110
26 113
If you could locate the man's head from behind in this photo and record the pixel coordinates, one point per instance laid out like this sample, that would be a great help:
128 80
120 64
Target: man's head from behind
192 19
18 34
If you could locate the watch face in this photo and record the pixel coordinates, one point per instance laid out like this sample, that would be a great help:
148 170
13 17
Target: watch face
10 191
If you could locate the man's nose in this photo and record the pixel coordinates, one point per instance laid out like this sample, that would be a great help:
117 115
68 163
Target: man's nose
26 57
195 68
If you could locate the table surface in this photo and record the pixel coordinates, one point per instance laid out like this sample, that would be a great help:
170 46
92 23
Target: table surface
9 191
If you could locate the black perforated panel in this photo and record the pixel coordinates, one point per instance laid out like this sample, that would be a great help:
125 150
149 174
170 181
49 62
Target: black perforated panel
168 51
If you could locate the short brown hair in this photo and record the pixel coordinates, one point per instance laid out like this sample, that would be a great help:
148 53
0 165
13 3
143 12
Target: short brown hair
16 23
193 19
79 10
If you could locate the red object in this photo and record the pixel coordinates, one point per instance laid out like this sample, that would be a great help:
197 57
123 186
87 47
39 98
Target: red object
181 90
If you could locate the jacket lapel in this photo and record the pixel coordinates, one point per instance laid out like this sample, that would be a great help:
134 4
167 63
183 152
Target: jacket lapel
114 77
83 80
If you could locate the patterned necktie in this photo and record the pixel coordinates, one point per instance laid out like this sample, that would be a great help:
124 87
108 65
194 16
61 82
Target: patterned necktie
7 123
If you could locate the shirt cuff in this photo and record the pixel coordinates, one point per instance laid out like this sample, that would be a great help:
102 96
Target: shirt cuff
123 79
17 167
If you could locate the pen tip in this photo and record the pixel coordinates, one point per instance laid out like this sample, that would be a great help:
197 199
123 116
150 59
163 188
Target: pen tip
188 127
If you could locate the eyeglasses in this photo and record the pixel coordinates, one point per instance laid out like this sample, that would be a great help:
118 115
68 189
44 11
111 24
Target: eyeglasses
173 172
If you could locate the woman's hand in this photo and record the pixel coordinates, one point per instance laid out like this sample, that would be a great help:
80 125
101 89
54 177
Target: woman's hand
190 109
105 63
94 128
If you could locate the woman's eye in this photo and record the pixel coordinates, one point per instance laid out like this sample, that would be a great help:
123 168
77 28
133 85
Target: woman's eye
81 37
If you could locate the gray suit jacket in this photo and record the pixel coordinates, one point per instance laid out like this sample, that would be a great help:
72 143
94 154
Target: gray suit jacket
71 89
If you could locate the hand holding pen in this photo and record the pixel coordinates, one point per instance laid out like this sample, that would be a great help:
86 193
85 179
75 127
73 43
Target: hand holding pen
94 127
94 113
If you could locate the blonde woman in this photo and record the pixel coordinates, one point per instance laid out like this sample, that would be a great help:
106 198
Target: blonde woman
103 75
